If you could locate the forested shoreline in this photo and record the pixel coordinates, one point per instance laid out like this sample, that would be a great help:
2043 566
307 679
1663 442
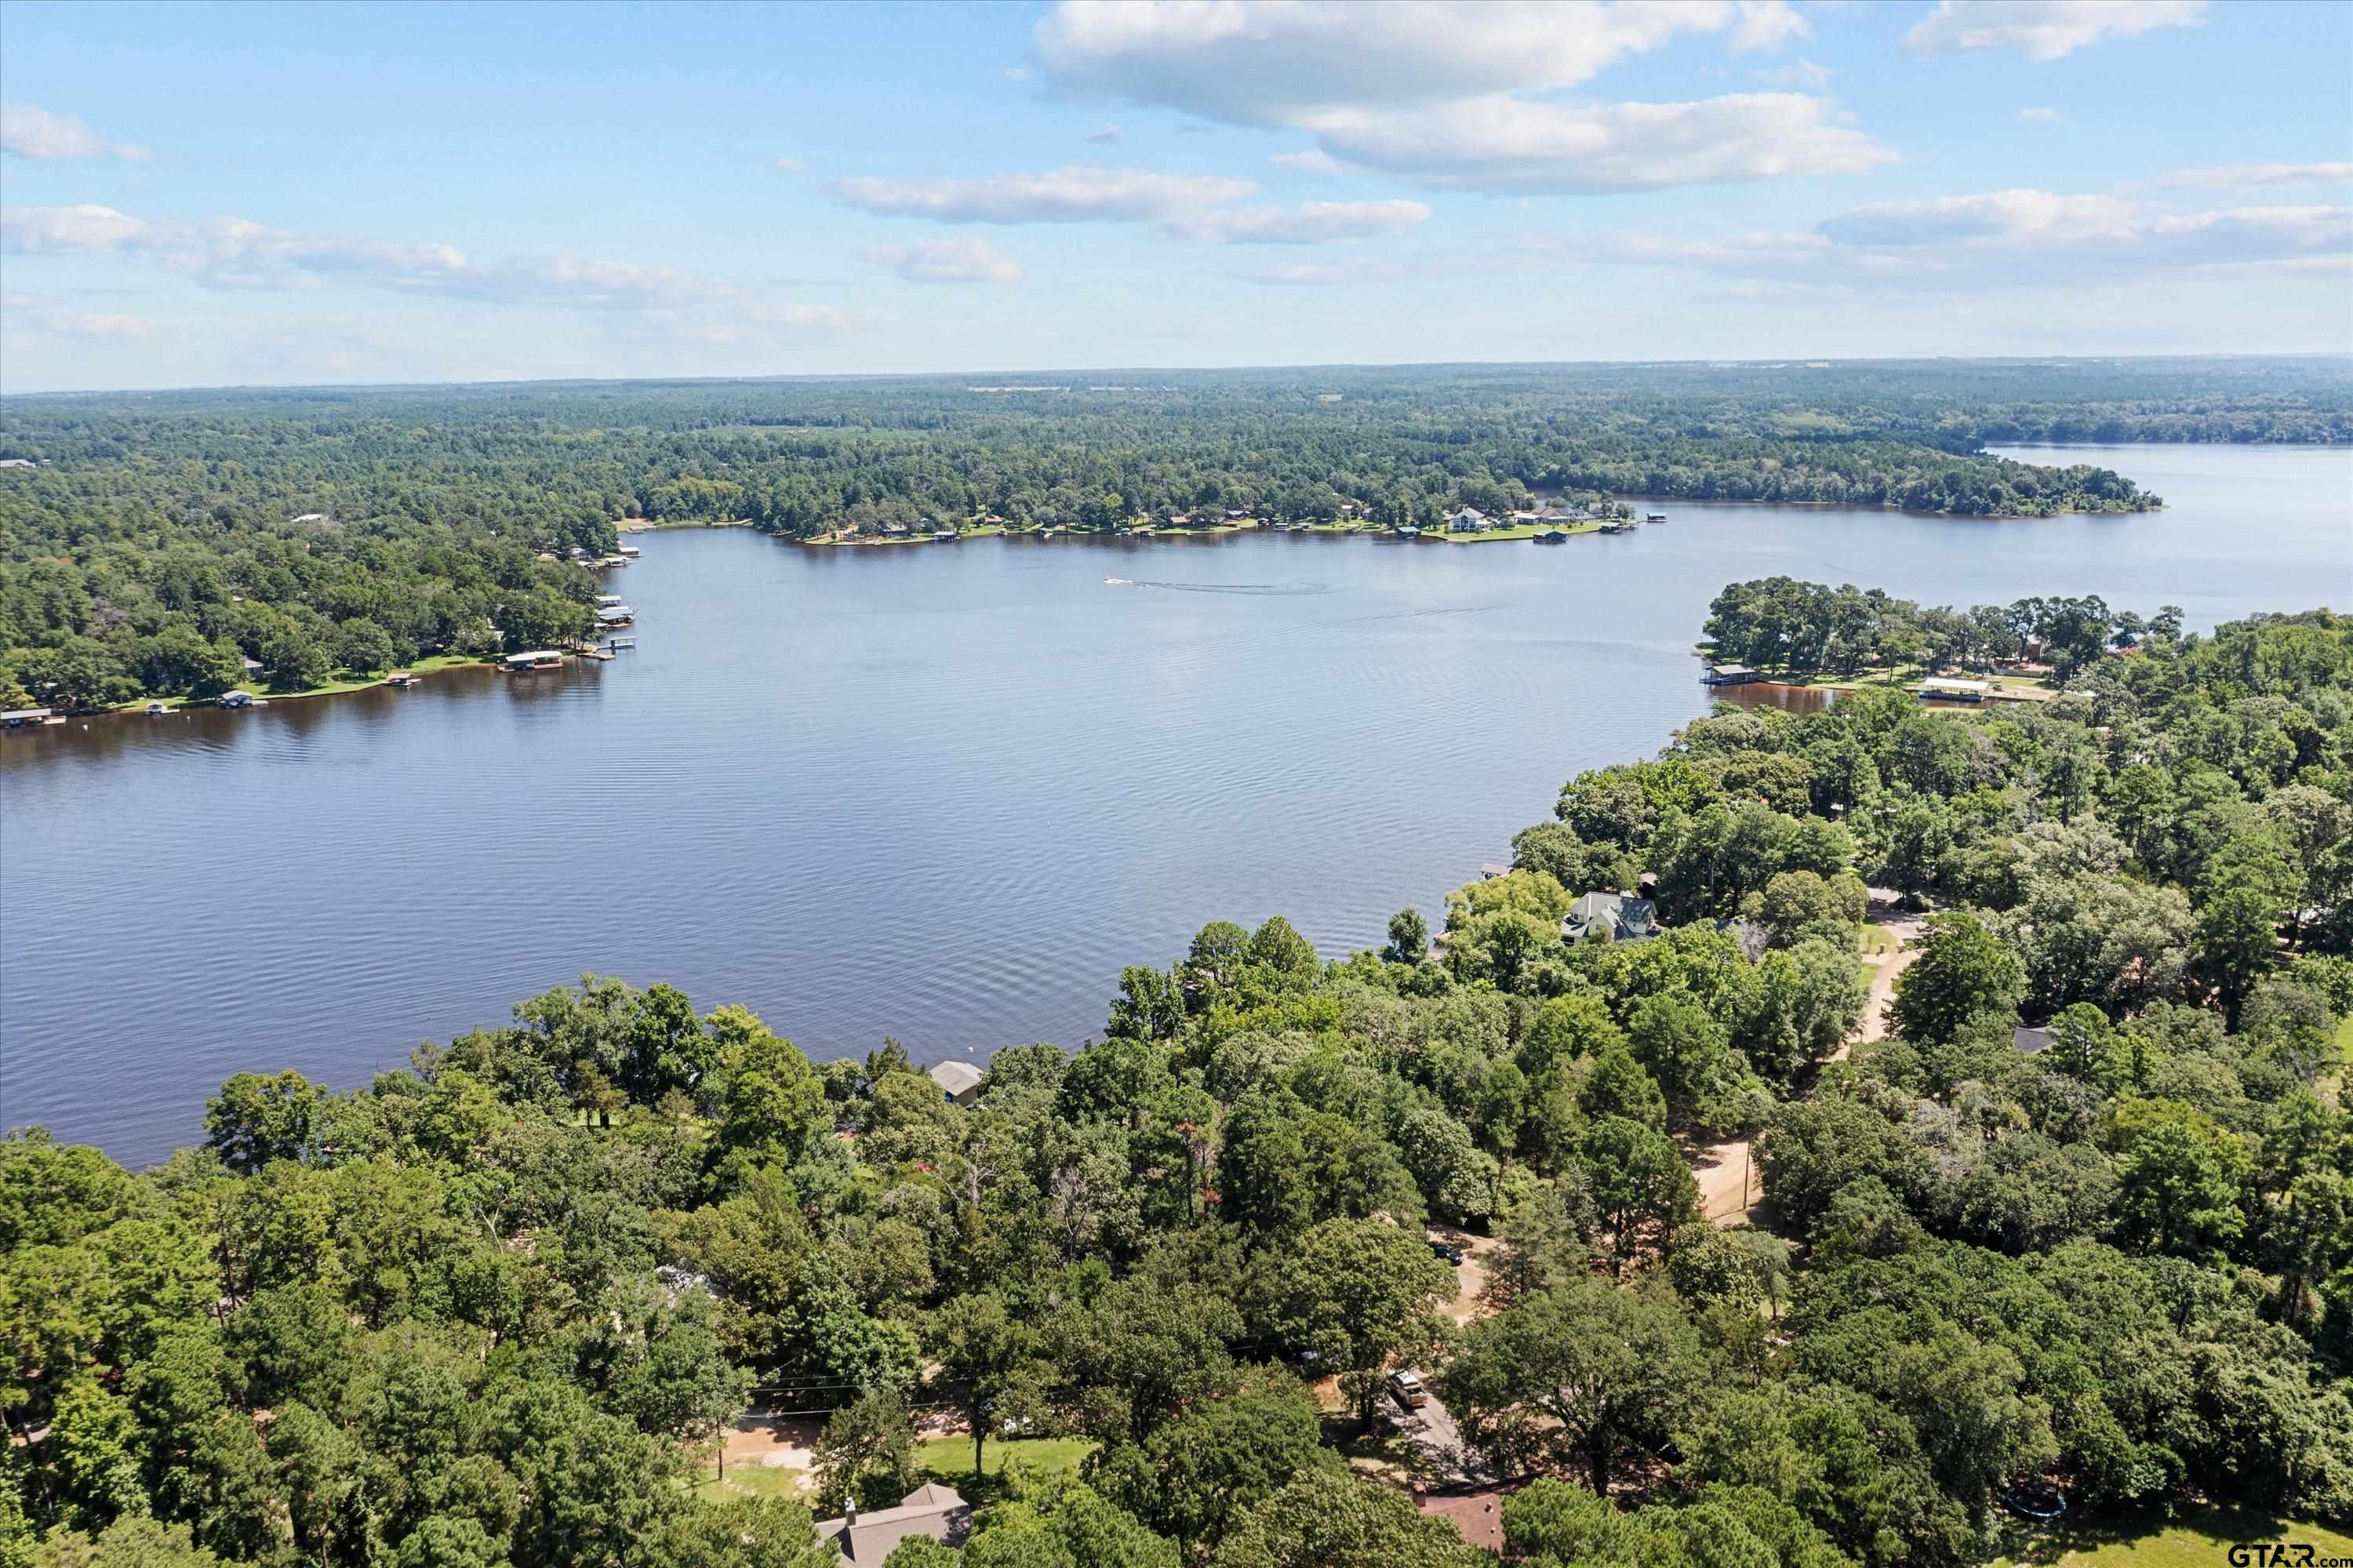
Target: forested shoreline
151 544
2076 1224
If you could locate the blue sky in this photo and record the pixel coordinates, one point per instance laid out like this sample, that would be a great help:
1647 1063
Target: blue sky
206 194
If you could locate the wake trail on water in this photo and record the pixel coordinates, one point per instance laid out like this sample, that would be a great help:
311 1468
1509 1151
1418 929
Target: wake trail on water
1263 589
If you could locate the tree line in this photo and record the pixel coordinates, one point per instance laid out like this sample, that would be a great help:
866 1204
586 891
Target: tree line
163 539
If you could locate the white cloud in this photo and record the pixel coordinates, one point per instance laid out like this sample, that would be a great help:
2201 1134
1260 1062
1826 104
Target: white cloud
1994 215
1451 92
1802 75
1741 253
1314 160
1310 223
961 260
1103 135
1261 64
2252 234
790 166
106 324
31 132
1060 195
2039 115
2016 238
236 253
2252 177
1183 206
2043 30
1303 276
1510 144
39 230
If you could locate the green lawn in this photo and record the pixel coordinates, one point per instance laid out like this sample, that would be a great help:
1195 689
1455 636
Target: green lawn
2197 1540
750 1481
949 1461
1517 531
421 667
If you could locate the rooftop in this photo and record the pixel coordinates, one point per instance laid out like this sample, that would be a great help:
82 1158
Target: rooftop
955 1078
930 1509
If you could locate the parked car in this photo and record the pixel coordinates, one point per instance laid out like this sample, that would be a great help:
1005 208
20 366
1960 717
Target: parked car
1451 1254
1408 1390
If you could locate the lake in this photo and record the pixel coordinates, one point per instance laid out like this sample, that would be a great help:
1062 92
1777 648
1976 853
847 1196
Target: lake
940 792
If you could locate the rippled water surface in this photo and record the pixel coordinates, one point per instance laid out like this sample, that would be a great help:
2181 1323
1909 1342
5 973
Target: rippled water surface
941 791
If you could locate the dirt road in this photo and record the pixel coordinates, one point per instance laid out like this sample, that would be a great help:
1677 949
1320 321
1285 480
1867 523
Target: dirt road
1728 1187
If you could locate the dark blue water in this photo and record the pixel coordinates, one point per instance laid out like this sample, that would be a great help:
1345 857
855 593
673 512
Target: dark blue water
941 791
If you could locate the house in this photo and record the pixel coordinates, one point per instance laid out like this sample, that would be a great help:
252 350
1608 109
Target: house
310 517
960 1081
1470 520
2031 1042
893 530
1621 915
1179 520
18 463
930 1509
1935 688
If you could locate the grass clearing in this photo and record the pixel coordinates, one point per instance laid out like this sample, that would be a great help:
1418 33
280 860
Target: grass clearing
948 1460
751 1481
2198 1539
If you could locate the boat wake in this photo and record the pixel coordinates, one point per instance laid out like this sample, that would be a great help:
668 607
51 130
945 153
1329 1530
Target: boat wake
1262 589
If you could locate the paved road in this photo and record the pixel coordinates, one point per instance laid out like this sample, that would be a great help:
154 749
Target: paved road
1431 1429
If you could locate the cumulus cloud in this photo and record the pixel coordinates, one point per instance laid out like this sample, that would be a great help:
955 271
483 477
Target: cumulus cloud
1314 160
31 132
1458 93
2043 30
1261 64
236 253
1309 223
1059 196
962 261
2254 176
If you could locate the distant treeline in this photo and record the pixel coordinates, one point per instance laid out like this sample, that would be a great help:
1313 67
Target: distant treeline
161 539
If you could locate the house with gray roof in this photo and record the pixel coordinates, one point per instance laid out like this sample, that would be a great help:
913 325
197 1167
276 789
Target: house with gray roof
1621 915
960 1081
930 1509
